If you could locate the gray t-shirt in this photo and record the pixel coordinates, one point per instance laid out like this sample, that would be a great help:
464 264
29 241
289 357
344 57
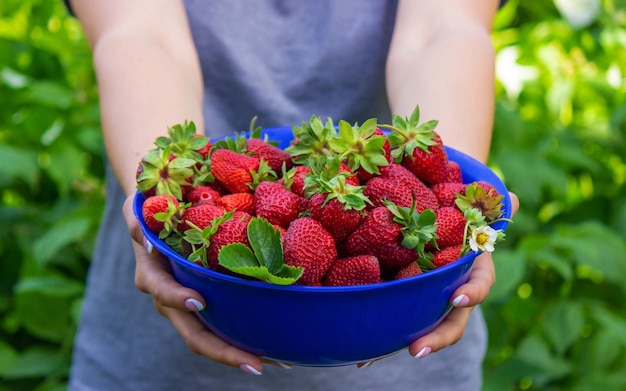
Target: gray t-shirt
282 60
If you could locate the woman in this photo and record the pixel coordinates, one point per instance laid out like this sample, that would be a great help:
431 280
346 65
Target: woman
219 63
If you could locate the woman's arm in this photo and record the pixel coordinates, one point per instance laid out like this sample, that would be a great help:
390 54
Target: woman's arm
441 58
149 79
147 71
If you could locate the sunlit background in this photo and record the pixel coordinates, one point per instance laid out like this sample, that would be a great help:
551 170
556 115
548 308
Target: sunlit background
556 315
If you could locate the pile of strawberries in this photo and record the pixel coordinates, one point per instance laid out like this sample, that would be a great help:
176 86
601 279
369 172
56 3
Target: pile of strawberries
342 205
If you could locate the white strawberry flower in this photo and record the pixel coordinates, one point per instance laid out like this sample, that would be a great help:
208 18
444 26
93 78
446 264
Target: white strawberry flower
483 239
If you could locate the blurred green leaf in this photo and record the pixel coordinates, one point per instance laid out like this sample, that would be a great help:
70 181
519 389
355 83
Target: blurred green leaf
63 233
18 165
563 323
50 94
510 271
52 285
35 362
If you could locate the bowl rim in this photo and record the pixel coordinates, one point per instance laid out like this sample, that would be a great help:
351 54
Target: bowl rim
168 252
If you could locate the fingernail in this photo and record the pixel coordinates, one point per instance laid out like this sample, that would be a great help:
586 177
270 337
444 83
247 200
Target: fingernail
283 365
193 305
147 245
423 353
249 369
460 300
367 364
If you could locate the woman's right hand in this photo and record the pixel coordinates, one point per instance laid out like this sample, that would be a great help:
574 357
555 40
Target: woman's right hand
178 304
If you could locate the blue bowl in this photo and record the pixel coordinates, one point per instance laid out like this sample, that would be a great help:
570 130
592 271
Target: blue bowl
327 326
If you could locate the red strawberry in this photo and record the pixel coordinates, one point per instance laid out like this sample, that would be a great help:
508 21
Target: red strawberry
410 270
333 202
236 172
157 204
293 179
488 188
276 204
230 231
455 174
357 270
337 218
450 226
446 192
419 148
161 172
381 236
360 147
237 201
201 216
351 178
203 195
447 255
308 245
430 165
365 176
481 196
205 149
274 156
400 186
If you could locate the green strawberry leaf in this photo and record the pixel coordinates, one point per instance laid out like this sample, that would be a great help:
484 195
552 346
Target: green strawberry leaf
287 276
238 256
266 242
265 260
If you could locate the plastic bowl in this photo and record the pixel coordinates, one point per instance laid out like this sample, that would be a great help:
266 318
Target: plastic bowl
327 326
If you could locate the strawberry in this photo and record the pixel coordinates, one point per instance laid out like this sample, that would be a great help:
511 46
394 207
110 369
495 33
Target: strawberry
450 226
293 179
243 216
276 204
418 147
308 245
361 173
237 201
185 142
199 195
481 196
410 270
333 202
229 231
454 172
236 172
447 255
159 204
200 216
400 186
446 192
274 156
351 178
312 140
337 217
395 235
161 172
357 270
359 147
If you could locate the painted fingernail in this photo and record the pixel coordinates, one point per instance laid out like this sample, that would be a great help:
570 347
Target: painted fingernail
460 300
423 353
193 305
283 365
249 369
367 364
148 246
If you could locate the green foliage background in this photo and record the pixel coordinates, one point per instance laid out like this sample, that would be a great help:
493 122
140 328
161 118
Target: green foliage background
556 314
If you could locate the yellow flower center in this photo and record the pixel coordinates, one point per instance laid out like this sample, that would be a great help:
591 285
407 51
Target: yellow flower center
482 239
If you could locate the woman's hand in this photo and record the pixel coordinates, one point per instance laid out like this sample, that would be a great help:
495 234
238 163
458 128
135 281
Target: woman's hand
177 303
464 299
